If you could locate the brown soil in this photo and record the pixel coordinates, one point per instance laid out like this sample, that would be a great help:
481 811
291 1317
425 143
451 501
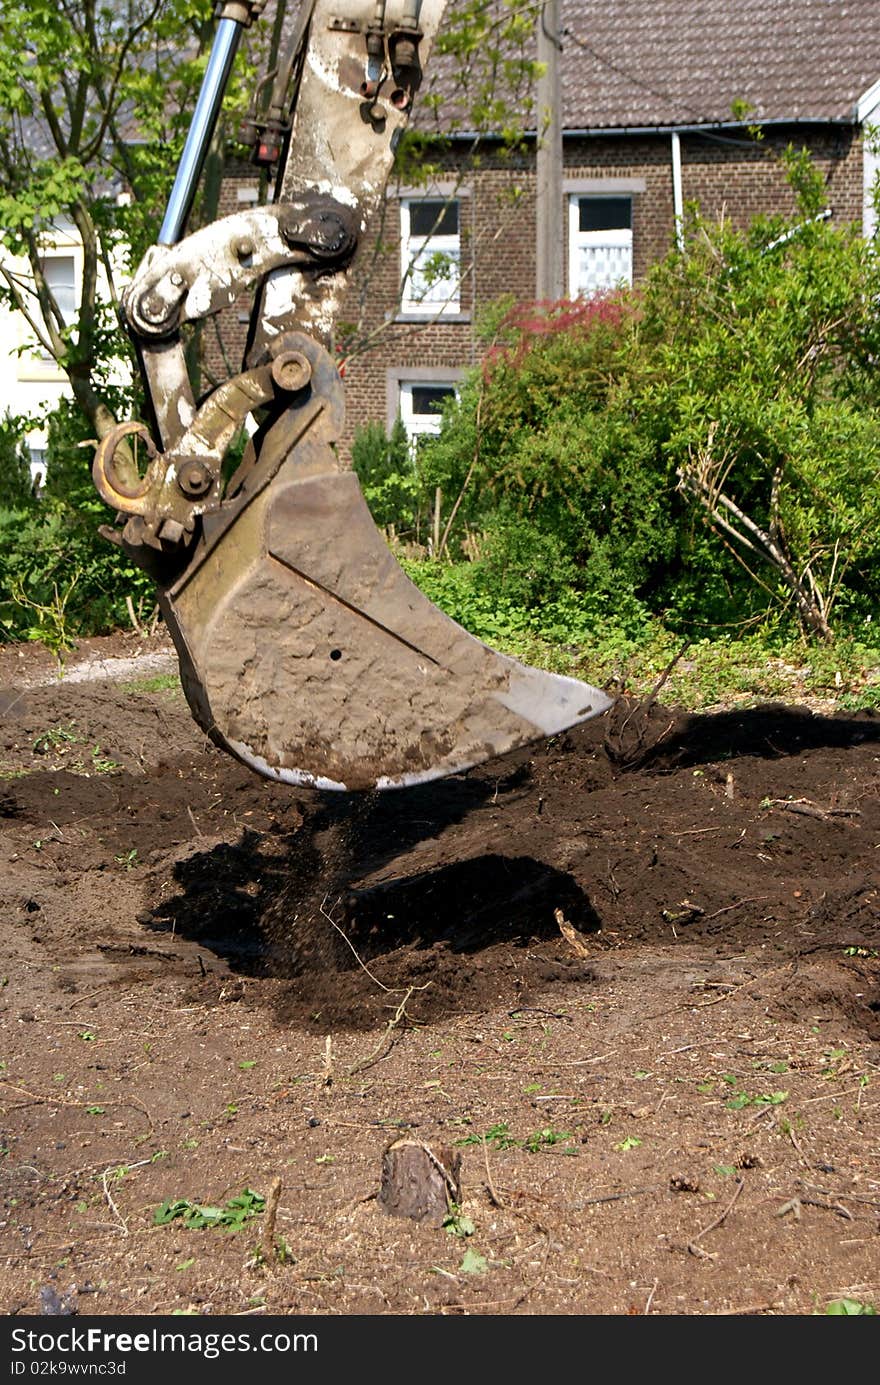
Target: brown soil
641 960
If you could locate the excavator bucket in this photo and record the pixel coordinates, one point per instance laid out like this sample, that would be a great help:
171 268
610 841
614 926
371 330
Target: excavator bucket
307 653
315 661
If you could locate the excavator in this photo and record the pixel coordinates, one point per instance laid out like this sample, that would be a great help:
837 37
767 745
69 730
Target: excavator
304 649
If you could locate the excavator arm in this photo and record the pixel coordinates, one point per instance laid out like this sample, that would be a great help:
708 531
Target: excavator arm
304 649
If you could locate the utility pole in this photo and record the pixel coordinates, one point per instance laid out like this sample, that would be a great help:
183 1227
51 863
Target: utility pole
550 276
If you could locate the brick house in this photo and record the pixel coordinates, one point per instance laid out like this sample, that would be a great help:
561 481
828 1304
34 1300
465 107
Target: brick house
649 89
648 93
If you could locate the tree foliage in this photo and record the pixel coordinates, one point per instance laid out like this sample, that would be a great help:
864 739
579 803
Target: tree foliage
95 99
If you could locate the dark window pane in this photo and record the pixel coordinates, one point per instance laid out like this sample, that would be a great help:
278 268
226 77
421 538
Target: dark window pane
429 399
433 217
605 213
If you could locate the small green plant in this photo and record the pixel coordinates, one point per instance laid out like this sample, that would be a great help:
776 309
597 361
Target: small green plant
630 1142
48 621
739 1100
55 738
473 1263
546 1139
456 1223
497 1137
129 859
283 1253
868 700
101 763
232 1216
850 1308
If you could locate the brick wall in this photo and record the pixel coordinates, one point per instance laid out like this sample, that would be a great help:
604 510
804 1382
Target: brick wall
725 173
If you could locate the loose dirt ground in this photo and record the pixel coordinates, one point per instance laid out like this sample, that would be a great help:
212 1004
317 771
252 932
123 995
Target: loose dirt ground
631 976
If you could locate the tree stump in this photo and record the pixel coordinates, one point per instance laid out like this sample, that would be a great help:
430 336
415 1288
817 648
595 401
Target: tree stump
419 1182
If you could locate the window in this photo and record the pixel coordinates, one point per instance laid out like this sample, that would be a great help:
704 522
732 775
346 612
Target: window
421 405
600 243
59 271
430 251
37 461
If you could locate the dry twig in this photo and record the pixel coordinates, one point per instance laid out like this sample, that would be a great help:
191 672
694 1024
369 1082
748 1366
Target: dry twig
387 1040
363 966
809 809
693 1247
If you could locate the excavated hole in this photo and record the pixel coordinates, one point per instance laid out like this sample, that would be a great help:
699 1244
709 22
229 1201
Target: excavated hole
267 916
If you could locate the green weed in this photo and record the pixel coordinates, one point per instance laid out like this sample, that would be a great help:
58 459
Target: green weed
546 1139
850 1308
497 1137
102 763
473 1263
457 1224
743 1099
232 1216
56 738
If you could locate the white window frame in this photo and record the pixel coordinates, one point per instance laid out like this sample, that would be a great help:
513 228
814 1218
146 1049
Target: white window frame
35 364
443 297
38 460
400 381
421 425
578 240
868 116
69 313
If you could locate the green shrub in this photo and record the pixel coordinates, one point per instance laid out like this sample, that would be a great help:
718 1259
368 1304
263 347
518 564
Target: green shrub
704 451
59 577
16 486
386 467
